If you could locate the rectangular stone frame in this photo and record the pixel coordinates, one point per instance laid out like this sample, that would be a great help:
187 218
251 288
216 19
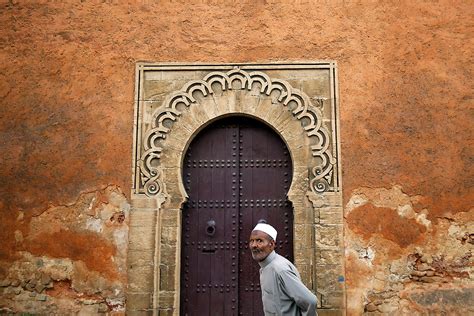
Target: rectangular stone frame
155 224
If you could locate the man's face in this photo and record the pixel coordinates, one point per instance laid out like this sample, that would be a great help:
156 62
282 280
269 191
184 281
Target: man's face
261 245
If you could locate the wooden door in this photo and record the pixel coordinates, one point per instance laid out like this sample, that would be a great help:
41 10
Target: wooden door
237 171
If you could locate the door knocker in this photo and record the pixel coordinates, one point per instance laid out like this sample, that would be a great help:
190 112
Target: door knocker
211 227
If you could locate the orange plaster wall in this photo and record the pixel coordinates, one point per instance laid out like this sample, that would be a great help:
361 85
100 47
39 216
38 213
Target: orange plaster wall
67 90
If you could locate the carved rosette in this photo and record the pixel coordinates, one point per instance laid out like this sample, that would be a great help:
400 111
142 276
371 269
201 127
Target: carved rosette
301 108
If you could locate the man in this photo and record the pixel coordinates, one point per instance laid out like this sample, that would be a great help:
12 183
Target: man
283 293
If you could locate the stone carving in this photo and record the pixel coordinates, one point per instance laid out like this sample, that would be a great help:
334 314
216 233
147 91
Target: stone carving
297 101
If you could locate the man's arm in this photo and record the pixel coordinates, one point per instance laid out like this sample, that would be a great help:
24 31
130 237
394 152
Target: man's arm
295 289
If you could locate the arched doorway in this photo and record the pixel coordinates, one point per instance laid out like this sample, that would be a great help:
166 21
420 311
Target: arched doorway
174 103
236 172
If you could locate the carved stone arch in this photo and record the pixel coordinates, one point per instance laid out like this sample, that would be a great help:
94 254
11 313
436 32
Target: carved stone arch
166 124
296 101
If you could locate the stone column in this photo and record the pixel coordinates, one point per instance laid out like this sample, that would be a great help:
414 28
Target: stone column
142 255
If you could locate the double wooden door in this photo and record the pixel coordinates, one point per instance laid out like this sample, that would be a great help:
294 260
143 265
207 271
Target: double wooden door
236 172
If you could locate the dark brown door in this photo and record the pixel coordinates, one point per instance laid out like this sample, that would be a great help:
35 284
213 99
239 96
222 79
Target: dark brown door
237 171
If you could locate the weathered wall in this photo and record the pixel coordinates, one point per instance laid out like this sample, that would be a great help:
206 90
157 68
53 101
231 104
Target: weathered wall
67 84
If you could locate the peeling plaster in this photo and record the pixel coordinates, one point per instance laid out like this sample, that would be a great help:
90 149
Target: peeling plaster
367 255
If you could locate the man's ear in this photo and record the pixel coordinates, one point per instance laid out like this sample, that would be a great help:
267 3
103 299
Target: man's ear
272 242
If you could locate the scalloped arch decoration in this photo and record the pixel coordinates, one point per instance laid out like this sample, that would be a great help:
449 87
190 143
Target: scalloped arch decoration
295 100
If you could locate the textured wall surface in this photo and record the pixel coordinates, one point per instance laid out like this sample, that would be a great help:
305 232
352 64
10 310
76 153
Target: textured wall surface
67 89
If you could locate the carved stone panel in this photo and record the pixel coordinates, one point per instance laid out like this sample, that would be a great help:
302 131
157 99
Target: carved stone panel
164 94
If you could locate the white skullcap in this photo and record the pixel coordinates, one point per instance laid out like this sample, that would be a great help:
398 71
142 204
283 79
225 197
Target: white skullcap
268 229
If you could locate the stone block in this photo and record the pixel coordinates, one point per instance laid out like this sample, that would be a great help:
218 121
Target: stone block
139 312
169 235
329 235
170 218
221 101
333 199
139 301
143 218
303 256
328 199
315 86
274 113
179 134
188 122
306 273
165 312
166 299
333 300
209 106
284 122
141 278
167 277
317 215
174 148
330 277
168 254
300 153
303 235
198 114
173 186
140 258
331 312
329 256
303 215
141 238
330 215
250 103
175 200
140 201
295 137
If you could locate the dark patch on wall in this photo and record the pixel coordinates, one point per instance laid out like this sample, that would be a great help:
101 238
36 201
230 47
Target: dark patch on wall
368 220
95 251
454 297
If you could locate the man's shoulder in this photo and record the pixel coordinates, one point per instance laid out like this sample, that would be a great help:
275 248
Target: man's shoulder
280 264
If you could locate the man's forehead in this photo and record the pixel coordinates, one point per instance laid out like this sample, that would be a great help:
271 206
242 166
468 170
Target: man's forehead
258 233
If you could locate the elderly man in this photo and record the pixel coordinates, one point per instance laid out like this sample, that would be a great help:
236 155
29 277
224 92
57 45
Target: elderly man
283 293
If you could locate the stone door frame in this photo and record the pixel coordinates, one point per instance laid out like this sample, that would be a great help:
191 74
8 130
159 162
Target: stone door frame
164 127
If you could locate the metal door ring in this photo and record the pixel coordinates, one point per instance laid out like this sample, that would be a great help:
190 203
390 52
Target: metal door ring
211 227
